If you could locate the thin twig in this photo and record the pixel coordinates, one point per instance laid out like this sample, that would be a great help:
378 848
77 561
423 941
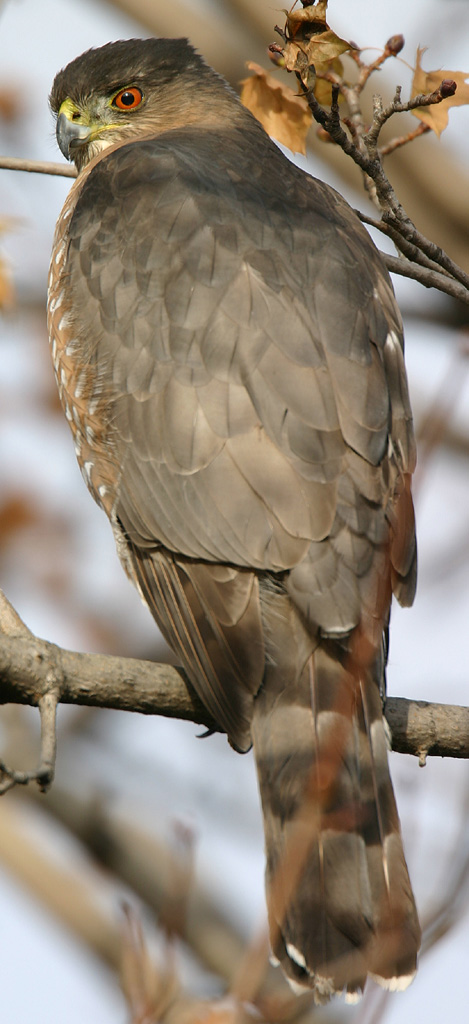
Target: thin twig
399 220
333 127
402 140
48 712
43 775
428 278
382 114
15 163
13 628
410 251
393 46
364 152
11 624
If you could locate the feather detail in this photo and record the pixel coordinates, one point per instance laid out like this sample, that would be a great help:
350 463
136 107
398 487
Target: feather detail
339 897
190 601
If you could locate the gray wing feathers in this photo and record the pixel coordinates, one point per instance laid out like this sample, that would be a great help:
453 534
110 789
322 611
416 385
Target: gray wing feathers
210 615
253 381
250 347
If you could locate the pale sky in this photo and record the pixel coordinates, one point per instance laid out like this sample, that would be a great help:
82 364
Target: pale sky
45 975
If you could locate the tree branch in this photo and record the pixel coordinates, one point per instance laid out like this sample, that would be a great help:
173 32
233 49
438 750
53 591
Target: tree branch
382 114
429 278
363 149
39 673
411 252
16 163
402 140
128 684
96 680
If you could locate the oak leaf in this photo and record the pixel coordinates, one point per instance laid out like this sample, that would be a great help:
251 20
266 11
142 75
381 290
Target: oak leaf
436 116
314 13
311 39
282 114
322 88
322 48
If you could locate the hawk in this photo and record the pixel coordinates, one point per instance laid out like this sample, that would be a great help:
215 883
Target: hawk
229 356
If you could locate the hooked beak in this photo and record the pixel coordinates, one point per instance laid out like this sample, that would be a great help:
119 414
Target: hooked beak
71 135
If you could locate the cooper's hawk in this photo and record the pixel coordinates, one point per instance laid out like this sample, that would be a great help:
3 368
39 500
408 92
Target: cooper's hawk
229 356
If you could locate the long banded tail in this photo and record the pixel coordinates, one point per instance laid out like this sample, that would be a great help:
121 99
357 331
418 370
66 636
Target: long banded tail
339 896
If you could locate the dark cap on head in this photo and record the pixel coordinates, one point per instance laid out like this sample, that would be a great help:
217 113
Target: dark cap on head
156 62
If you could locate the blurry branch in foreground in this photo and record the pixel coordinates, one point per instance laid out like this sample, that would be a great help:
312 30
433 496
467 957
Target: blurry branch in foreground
35 672
87 899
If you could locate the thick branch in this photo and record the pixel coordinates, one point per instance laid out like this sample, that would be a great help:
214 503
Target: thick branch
127 684
424 729
95 680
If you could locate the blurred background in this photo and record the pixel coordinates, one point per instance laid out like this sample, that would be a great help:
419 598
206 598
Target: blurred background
135 888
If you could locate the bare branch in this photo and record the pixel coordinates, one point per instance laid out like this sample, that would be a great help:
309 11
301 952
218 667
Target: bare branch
152 868
424 729
402 140
12 626
363 150
95 680
382 114
66 891
361 141
399 220
429 278
15 163
410 251
393 46
128 684
43 775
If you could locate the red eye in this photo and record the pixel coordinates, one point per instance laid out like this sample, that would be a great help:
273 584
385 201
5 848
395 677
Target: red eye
128 99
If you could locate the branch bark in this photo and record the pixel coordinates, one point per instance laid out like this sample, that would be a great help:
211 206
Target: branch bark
428 278
95 680
17 163
27 665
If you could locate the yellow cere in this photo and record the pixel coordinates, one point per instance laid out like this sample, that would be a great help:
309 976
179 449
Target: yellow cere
72 112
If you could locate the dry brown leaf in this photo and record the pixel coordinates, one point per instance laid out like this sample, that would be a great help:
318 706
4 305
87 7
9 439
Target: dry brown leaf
313 14
436 116
282 114
322 48
7 291
310 40
322 88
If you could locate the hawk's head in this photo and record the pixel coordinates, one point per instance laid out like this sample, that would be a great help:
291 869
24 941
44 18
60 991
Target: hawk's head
131 88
